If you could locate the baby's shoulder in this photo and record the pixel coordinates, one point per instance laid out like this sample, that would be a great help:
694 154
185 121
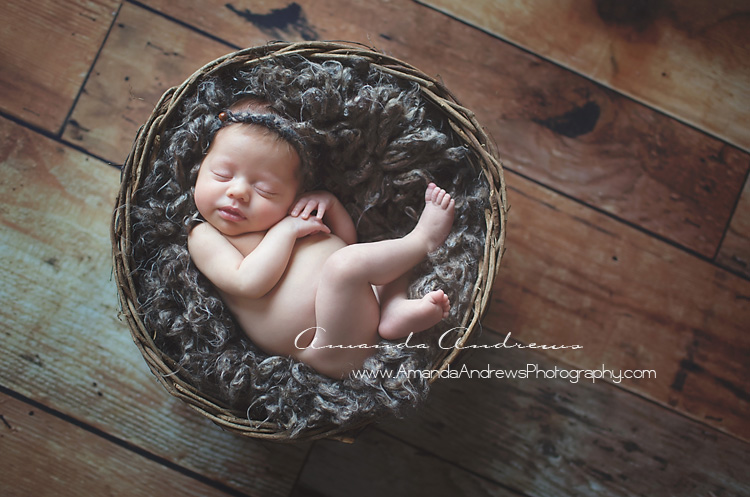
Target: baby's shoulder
201 231
202 237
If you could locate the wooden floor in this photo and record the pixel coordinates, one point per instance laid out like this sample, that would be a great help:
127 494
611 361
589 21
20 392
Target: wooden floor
625 133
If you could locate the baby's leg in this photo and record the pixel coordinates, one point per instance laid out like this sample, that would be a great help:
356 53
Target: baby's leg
346 310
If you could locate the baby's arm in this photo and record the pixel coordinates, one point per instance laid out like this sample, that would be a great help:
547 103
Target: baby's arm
256 274
330 210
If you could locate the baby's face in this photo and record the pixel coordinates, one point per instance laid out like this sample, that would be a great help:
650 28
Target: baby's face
247 181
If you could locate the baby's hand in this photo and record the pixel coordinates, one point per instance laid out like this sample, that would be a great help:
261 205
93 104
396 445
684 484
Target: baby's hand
309 202
302 227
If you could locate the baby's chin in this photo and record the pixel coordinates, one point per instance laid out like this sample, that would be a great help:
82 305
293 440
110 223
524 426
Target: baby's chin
239 229
227 228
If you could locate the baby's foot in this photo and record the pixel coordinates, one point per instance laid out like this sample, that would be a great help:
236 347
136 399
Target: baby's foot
405 316
437 217
440 300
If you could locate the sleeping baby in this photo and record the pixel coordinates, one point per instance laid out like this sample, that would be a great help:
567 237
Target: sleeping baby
286 261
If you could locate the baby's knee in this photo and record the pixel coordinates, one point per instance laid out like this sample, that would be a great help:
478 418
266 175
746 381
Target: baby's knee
344 264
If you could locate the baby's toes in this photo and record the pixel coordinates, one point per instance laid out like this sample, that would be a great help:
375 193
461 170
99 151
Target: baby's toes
428 194
446 303
436 297
446 203
440 197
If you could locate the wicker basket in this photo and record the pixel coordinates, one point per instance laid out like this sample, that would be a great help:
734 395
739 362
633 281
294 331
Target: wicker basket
461 120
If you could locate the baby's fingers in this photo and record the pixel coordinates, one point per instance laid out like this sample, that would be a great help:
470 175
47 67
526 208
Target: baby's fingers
302 208
323 226
316 226
309 208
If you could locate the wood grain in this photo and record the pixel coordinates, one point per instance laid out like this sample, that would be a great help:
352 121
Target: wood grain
686 58
550 124
46 456
549 436
144 55
46 51
735 248
574 276
379 464
63 344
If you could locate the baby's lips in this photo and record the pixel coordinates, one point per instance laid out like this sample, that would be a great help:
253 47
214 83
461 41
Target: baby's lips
232 213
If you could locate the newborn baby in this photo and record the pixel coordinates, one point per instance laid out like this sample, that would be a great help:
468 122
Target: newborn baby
286 261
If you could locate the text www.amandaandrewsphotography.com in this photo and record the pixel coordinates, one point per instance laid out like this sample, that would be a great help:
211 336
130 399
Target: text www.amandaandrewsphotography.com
532 371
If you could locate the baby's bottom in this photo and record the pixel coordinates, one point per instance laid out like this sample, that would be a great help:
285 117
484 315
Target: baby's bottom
349 318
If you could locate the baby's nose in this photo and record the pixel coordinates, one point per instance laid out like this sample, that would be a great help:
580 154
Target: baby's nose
239 191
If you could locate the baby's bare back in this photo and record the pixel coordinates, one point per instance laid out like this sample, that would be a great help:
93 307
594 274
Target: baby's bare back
274 321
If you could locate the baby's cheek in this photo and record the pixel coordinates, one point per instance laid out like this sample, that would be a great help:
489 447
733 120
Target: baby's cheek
274 213
201 198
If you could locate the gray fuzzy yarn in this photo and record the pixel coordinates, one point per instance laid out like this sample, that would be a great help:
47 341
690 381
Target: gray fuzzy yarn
375 143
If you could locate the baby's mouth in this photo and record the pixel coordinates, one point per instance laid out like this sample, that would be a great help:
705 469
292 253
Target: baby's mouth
231 214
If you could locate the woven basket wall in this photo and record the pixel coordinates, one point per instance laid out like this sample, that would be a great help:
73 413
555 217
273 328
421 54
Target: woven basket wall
461 120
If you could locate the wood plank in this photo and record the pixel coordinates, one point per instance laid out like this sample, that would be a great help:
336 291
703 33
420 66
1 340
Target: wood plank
63 344
144 55
551 125
549 436
687 58
735 248
389 467
45 456
46 51
574 276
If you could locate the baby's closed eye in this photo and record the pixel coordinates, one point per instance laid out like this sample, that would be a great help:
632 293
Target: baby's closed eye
265 190
222 174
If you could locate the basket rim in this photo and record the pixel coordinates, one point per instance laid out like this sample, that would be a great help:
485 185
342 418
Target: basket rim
462 121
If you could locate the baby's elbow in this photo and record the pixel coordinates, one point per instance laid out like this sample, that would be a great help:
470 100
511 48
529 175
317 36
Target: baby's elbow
243 291
254 294
251 290
236 289
248 284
